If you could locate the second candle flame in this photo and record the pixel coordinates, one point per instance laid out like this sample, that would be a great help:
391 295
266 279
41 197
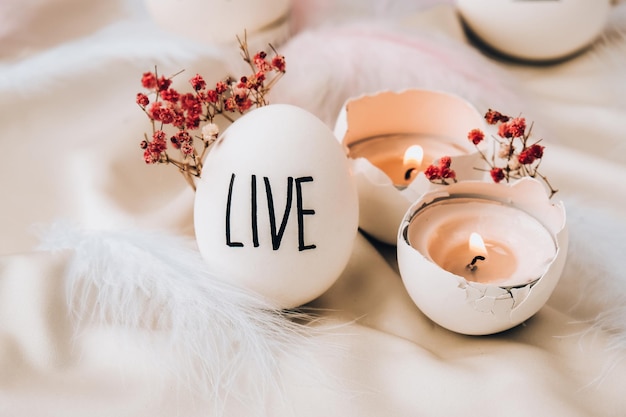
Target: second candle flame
413 155
477 245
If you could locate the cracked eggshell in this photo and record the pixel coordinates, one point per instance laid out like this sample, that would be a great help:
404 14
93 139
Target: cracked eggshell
473 308
540 30
413 111
276 209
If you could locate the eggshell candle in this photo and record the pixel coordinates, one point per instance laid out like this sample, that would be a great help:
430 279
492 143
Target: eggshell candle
276 209
376 131
525 243
536 30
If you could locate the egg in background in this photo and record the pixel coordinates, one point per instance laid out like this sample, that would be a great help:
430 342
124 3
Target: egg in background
536 30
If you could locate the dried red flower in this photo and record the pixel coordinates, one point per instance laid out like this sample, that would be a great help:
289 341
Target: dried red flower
531 154
497 174
151 157
476 136
197 82
221 87
154 111
537 150
492 117
170 95
432 173
211 96
514 128
441 172
278 63
445 162
142 99
163 83
187 111
512 149
148 80
186 148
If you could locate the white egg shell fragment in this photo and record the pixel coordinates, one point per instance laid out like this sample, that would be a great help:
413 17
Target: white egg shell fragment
276 209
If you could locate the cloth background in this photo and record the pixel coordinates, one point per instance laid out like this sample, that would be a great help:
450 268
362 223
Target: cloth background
70 129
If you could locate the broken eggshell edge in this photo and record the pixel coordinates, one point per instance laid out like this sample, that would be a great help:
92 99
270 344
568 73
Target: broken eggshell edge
418 111
473 308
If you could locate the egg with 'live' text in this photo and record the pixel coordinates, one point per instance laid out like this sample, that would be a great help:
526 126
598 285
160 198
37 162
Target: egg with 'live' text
276 209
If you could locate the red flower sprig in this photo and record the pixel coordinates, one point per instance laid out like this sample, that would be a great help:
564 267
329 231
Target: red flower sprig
440 172
516 156
178 116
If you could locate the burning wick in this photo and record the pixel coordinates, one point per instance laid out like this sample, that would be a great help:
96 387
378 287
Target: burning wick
412 156
472 265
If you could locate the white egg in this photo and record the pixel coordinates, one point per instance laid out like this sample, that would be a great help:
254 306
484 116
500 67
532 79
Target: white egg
536 30
276 209
219 21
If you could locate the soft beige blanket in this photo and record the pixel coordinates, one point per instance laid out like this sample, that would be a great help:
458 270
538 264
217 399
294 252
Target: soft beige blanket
70 129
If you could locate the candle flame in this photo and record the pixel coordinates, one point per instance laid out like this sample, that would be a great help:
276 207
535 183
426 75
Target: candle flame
477 245
413 155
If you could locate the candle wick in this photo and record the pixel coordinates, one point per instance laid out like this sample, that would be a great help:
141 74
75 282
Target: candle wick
408 173
472 265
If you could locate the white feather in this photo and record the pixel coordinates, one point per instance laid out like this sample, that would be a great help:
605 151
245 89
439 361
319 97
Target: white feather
593 279
329 65
227 340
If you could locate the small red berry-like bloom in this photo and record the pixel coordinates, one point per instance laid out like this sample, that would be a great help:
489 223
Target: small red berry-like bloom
183 136
143 144
175 142
190 103
536 150
211 96
167 115
514 128
492 117
179 120
155 110
278 63
260 63
221 87
148 80
432 173
170 95
447 173
197 82
157 146
531 154
158 135
192 121
497 174
163 83
229 104
186 148
142 99
151 157
243 104
476 136
445 161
